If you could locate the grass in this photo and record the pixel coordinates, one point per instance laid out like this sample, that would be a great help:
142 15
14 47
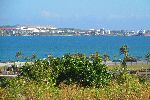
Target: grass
131 67
131 90
112 92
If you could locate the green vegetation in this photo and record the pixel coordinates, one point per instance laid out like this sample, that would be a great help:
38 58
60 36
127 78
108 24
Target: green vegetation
148 57
130 67
70 69
75 77
106 58
18 55
124 50
21 89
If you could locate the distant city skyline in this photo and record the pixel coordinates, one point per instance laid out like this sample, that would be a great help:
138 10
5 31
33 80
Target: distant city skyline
85 14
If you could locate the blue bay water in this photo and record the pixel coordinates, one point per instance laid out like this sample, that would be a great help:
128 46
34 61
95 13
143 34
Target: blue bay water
60 45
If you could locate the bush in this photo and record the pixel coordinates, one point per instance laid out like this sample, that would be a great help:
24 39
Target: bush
40 71
19 88
4 81
70 69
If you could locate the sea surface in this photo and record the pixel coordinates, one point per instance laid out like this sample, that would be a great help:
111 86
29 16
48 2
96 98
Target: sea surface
60 45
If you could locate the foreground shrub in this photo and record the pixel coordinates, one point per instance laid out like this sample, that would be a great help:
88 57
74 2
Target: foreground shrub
70 69
31 90
40 71
21 89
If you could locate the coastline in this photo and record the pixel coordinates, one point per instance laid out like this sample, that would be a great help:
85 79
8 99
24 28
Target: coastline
109 63
9 64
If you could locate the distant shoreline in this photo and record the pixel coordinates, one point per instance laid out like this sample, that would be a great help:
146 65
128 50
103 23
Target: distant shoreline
75 36
3 64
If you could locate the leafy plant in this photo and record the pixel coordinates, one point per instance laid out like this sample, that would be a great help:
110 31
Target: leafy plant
147 56
106 58
124 50
40 71
19 54
70 69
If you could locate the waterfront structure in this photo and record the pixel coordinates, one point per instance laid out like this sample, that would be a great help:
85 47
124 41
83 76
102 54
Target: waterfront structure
49 30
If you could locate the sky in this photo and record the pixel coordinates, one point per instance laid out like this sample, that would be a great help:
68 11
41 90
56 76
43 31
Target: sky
85 14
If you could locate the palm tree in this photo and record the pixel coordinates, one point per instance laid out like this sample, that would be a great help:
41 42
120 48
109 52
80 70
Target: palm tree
147 57
124 50
106 58
114 59
18 55
34 57
27 59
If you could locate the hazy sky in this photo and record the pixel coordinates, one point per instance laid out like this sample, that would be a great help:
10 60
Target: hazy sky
110 14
